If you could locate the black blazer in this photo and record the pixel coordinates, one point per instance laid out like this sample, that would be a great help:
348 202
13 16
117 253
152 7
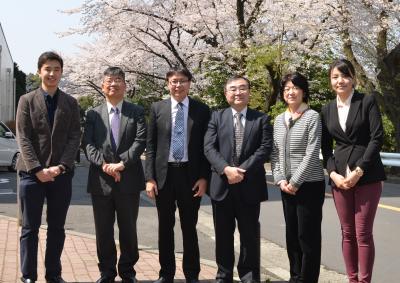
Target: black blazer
360 144
256 149
96 143
159 140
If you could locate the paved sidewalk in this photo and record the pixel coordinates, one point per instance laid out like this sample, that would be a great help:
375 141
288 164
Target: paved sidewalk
79 259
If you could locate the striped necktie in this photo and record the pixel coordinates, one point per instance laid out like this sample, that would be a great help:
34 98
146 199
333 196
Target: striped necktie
239 132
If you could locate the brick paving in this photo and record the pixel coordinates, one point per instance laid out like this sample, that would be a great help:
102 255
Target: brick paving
79 259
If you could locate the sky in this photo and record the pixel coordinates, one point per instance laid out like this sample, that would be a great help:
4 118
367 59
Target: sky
30 29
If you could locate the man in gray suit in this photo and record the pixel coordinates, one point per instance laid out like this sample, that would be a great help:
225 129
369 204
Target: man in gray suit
48 134
113 140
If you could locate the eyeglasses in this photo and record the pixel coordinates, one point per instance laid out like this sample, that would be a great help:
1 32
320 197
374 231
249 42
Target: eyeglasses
175 83
109 81
241 89
294 88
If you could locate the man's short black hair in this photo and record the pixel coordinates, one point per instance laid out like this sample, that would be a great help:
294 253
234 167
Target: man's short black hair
179 71
49 56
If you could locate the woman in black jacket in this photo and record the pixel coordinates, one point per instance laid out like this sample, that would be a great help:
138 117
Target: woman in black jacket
354 122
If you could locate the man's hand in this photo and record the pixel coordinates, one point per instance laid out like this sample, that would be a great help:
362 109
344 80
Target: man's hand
200 187
113 169
54 171
45 175
151 189
234 174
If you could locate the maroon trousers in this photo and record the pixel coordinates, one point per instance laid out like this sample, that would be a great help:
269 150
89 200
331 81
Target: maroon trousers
356 209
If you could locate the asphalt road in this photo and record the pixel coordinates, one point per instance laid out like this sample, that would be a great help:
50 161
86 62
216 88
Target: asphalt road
387 228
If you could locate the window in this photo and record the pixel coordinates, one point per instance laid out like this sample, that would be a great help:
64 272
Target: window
3 131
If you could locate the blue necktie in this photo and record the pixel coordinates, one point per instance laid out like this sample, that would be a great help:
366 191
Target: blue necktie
178 137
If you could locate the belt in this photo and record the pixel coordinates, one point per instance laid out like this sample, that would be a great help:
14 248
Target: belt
178 164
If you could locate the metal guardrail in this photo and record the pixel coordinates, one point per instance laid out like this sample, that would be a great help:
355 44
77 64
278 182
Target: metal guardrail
390 159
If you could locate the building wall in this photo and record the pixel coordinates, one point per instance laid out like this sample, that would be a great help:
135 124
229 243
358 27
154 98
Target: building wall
7 87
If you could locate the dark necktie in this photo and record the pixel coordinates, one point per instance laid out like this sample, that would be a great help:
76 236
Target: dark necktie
239 132
115 125
178 137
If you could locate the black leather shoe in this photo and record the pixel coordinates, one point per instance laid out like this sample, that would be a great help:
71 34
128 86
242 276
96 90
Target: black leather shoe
192 280
105 279
56 279
129 280
163 280
27 280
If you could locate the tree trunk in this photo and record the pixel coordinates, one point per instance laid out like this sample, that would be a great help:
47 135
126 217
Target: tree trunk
389 83
275 79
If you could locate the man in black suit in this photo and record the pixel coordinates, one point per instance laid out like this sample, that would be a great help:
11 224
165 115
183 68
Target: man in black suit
177 171
113 140
48 135
237 144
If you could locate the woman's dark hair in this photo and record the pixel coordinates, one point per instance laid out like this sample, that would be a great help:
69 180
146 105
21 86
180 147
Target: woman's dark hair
49 56
344 66
298 80
179 71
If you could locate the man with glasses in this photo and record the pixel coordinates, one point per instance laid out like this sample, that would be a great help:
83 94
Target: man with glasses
237 144
114 139
177 171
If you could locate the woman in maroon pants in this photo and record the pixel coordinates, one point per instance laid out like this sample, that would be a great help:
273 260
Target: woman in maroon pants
354 122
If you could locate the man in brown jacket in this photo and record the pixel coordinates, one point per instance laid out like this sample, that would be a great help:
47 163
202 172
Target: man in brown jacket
48 134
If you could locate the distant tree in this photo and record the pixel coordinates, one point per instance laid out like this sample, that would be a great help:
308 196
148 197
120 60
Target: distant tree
20 83
32 82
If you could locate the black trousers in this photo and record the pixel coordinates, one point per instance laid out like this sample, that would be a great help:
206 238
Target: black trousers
226 213
303 216
32 196
125 207
177 191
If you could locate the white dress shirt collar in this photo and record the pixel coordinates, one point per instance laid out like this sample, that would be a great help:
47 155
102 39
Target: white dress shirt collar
119 106
244 112
341 103
185 102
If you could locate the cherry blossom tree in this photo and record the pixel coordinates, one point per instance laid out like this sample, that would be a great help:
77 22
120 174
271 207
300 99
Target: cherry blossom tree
213 37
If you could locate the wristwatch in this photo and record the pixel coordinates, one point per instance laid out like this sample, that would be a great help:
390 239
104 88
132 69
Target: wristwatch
62 168
359 171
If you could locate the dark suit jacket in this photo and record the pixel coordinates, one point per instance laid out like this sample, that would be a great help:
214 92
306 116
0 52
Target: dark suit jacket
159 139
40 145
360 144
96 143
256 148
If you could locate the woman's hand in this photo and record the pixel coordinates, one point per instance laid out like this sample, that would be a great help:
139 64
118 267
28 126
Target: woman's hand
352 179
284 186
340 181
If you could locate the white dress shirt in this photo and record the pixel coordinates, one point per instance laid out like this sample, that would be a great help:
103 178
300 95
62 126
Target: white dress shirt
343 108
